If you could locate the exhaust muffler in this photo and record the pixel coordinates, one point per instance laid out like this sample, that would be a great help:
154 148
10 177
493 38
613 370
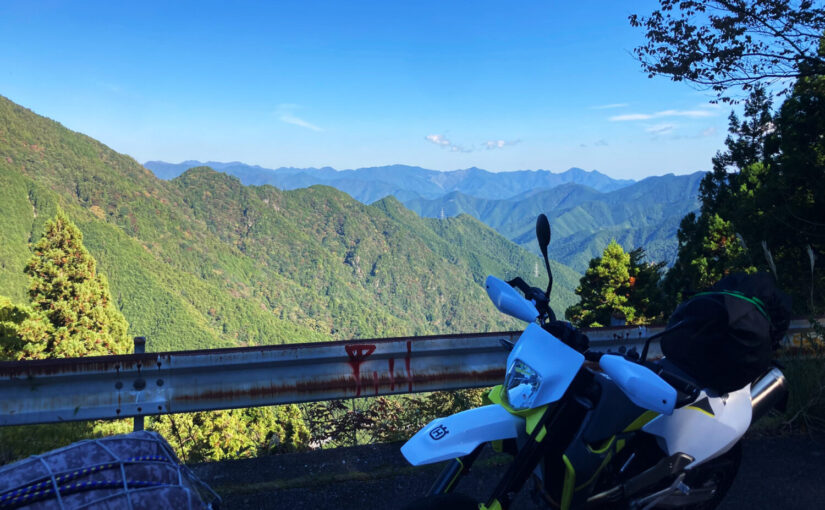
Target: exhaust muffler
768 392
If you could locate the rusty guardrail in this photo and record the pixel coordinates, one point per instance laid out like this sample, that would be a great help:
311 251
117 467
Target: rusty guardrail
135 385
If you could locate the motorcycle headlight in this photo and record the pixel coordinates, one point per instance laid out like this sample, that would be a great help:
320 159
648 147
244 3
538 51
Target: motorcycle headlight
521 385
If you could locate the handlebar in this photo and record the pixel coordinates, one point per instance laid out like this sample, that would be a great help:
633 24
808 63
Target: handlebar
568 334
686 391
535 294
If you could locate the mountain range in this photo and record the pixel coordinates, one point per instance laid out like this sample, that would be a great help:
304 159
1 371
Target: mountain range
204 261
644 214
401 181
586 208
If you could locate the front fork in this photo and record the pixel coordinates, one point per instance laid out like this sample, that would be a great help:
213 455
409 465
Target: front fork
539 445
453 472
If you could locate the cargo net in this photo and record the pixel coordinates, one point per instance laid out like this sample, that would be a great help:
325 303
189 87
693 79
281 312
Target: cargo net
134 471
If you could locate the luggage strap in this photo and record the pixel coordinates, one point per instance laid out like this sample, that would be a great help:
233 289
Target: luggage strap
735 293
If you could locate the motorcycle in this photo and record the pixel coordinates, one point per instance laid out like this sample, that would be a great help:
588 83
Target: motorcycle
592 429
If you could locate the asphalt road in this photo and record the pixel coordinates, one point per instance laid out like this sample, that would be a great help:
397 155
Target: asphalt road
776 473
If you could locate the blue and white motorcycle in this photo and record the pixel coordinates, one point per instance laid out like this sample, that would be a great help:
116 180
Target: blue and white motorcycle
592 430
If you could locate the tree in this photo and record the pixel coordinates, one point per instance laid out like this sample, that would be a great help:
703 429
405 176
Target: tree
724 44
73 313
792 199
617 283
646 287
709 249
767 189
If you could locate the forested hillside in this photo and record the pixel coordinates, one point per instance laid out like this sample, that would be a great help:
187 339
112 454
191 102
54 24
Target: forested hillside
204 261
645 214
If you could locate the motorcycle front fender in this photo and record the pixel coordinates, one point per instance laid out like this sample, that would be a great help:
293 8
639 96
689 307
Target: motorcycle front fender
458 435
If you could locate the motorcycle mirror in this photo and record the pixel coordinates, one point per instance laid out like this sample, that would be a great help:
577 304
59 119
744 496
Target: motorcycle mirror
543 233
543 236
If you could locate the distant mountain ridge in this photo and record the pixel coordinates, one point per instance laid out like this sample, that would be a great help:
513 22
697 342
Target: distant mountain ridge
586 209
401 181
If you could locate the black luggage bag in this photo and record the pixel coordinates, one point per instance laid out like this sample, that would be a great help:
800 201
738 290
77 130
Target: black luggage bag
725 337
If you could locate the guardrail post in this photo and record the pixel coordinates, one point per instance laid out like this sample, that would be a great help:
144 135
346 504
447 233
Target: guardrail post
140 348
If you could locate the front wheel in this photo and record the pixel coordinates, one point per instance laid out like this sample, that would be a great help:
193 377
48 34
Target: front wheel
451 501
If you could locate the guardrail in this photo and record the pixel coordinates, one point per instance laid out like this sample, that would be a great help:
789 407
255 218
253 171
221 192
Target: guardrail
136 385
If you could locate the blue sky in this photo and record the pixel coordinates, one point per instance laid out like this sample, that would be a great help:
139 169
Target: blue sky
443 85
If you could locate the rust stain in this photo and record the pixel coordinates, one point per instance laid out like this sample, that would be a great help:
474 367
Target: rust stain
342 385
391 362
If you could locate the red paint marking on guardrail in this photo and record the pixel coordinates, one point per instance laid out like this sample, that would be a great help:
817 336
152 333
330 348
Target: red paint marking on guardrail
357 354
407 365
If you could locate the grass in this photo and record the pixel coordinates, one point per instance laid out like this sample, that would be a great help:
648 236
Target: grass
805 412
320 480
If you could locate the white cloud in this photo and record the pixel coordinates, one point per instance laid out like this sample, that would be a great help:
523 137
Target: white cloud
297 121
441 141
499 144
665 113
709 131
284 111
609 106
438 140
660 129
631 116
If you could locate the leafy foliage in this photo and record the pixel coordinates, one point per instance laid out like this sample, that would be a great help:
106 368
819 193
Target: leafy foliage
233 434
618 284
709 249
12 317
728 43
382 419
21 441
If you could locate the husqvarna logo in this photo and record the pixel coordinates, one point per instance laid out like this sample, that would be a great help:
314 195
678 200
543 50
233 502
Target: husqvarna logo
439 432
